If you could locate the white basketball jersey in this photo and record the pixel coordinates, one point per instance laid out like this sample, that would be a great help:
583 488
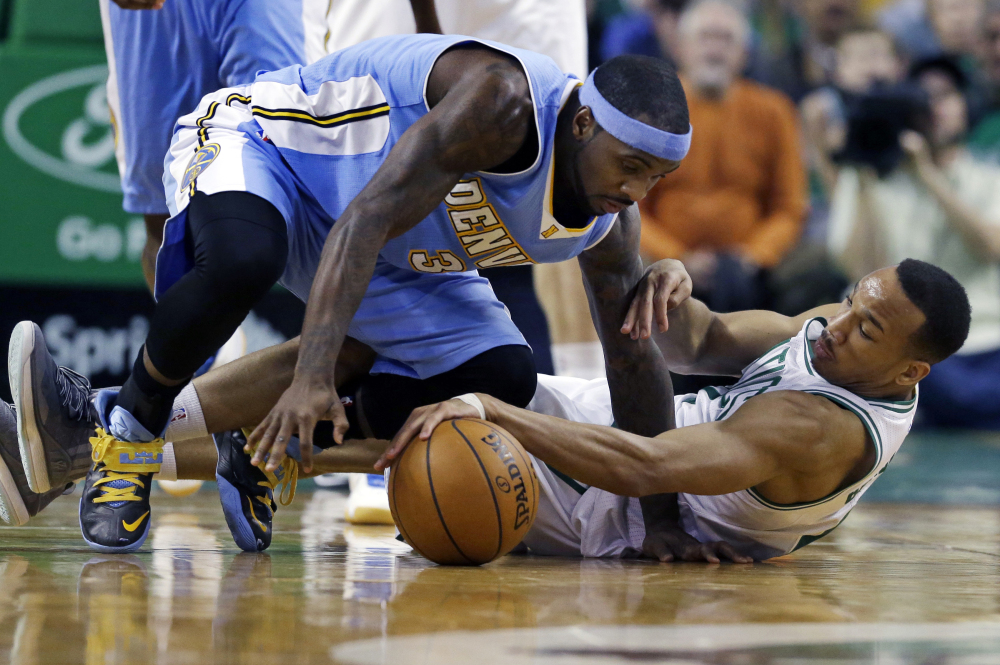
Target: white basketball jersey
752 524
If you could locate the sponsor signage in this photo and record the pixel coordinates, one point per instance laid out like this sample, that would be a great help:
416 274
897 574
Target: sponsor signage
98 332
60 197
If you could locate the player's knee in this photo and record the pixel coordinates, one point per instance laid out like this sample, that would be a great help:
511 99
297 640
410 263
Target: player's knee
250 269
519 374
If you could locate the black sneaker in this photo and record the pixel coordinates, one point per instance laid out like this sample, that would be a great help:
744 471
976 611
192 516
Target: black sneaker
55 419
247 491
18 503
114 508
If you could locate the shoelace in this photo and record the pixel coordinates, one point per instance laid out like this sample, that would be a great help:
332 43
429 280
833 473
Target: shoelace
74 392
287 481
126 493
128 482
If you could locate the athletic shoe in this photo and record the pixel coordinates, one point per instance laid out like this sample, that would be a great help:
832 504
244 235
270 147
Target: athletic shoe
247 491
368 502
332 481
55 418
114 508
18 503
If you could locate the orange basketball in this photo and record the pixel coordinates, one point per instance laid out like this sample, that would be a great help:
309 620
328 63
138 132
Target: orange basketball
465 496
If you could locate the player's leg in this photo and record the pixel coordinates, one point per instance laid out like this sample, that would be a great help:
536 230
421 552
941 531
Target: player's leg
18 503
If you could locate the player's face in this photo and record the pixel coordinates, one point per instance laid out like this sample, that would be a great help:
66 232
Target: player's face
866 347
612 175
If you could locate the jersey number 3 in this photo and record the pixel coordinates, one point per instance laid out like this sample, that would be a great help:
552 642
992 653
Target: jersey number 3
437 262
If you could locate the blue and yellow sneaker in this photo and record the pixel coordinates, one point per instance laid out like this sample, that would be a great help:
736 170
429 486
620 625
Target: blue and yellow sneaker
114 508
247 491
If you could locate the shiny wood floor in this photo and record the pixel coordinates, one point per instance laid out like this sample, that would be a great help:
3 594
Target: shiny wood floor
895 584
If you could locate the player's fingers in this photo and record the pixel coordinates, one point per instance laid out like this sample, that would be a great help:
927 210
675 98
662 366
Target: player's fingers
436 416
257 434
266 440
644 325
663 552
277 450
630 317
730 553
337 414
662 300
306 427
680 293
403 437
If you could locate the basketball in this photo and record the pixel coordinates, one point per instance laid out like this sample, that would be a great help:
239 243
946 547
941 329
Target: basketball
465 496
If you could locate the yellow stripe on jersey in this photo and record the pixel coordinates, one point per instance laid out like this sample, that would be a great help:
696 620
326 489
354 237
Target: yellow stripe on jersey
296 115
235 97
203 132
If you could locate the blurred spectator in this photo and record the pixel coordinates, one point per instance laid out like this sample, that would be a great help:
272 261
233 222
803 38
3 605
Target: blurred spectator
927 28
649 27
986 135
800 55
736 205
941 205
866 57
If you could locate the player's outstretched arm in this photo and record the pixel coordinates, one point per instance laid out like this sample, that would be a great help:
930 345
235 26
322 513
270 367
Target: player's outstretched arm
797 445
700 341
481 116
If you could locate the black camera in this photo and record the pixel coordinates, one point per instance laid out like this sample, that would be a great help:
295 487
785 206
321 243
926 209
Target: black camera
876 119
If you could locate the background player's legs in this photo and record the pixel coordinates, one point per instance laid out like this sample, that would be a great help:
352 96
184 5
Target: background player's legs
239 245
154 236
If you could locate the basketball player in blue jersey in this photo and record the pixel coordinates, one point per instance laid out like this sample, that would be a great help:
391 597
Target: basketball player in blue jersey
375 182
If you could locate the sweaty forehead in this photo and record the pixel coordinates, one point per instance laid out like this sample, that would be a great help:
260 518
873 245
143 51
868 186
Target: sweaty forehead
883 295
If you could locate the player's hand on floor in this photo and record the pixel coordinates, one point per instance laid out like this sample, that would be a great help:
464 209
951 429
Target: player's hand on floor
296 413
422 422
139 4
674 544
665 285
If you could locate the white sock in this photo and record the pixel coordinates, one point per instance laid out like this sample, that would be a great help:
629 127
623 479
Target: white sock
187 421
168 468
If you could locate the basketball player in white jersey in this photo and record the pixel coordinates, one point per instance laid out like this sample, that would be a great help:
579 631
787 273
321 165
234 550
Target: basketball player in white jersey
767 465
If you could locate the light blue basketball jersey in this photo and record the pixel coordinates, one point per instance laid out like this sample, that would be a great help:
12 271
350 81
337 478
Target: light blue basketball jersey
374 92
309 139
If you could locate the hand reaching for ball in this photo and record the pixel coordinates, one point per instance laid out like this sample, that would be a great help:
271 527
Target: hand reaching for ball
421 423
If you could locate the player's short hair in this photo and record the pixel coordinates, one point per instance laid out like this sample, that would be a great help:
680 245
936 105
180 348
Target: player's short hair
945 305
639 86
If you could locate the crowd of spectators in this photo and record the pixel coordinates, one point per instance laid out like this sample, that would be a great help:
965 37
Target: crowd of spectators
832 137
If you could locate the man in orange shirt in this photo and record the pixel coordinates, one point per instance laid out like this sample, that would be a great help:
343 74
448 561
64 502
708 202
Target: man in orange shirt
738 203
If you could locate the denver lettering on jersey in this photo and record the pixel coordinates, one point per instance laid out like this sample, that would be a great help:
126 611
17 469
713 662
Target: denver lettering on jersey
480 230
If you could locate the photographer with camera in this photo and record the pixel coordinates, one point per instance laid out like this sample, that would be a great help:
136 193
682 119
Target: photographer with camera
907 186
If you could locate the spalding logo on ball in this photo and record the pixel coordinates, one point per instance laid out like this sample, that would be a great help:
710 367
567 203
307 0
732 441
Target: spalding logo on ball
466 495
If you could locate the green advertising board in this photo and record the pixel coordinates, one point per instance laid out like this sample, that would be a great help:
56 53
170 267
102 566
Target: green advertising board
61 220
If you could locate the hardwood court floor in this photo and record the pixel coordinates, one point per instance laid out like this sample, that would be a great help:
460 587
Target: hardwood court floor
898 583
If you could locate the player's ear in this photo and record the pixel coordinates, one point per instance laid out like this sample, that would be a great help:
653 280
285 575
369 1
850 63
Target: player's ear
584 124
915 371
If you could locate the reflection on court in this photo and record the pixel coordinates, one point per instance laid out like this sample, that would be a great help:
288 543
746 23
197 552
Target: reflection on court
896 583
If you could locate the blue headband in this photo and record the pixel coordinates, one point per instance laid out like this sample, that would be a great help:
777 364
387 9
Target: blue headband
628 130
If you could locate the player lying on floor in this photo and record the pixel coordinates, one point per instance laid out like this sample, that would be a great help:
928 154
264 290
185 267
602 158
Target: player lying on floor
767 465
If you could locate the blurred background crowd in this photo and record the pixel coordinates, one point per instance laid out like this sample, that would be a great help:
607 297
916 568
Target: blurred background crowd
832 137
